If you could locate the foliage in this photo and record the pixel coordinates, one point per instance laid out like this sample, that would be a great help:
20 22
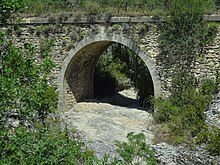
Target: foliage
183 37
184 33
44 145
24 84
136 151
7 7
211 138
110 63
92 7
43 6
47 144
140 7
185 114
39 7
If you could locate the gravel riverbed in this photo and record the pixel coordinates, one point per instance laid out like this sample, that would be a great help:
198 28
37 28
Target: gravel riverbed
101 123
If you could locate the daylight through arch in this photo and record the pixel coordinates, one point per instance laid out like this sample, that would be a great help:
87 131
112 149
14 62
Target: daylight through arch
75 81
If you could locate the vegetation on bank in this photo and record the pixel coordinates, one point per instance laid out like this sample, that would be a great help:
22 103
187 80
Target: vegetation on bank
94 7
183 37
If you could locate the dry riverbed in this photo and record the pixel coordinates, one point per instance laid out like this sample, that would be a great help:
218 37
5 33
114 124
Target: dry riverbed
101 124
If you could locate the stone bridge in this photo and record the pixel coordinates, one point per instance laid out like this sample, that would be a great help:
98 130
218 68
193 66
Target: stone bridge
80 41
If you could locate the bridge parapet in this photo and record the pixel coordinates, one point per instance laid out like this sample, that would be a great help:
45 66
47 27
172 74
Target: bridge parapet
95 19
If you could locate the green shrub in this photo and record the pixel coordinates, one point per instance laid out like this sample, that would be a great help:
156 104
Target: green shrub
211 139
187 114
185 119
9 7
136 151
209 87
165 110
44 145
24 84
184 33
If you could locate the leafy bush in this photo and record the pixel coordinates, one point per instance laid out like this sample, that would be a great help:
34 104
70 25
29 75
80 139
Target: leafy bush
211 138
184 33
165 110
8 7
183 37
44 145
136 151
187 114
24 84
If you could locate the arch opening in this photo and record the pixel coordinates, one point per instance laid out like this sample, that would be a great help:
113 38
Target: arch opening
122 78
76 79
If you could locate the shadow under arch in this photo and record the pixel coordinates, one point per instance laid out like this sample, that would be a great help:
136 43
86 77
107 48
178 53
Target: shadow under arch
75 81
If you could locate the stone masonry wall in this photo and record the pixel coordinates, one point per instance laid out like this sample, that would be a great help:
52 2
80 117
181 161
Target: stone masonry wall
67 35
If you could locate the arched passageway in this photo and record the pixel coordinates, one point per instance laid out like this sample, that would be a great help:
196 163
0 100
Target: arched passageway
76 76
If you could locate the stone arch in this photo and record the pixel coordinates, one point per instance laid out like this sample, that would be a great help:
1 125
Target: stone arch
75 80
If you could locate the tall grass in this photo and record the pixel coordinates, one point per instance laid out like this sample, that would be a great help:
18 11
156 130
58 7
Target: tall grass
117 7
